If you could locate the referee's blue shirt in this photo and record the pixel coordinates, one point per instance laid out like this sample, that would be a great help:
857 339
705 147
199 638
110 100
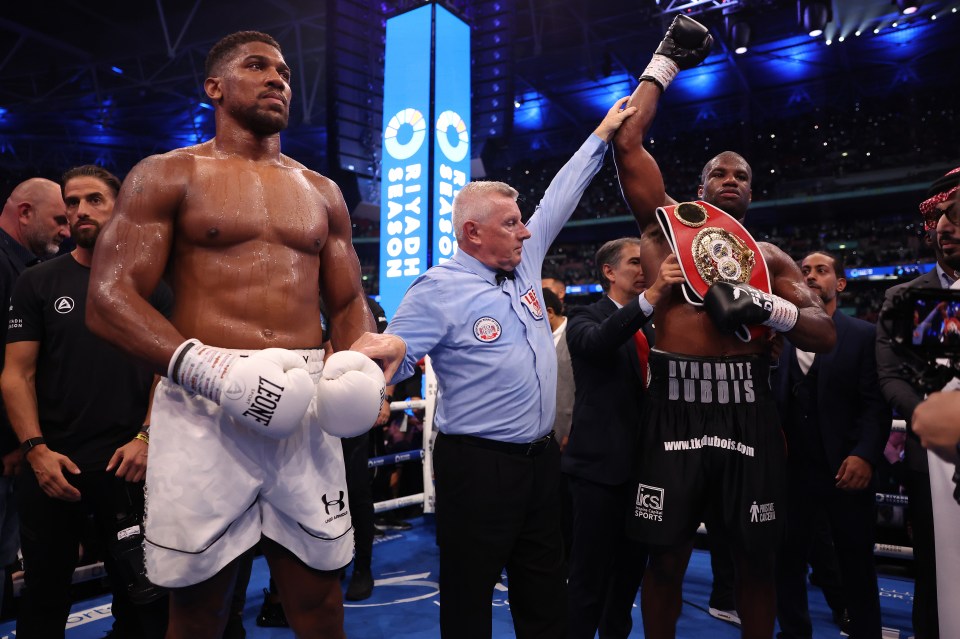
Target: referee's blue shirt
491 345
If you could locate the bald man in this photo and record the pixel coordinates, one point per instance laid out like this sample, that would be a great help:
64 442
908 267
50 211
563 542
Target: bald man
33 223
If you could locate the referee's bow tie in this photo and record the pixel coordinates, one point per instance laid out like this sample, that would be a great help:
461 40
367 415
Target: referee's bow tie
505 275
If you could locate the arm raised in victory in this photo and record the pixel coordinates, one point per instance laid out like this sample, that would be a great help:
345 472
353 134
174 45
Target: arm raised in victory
685 45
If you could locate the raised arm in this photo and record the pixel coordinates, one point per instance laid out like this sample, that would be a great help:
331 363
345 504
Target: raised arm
134 247
567 186
685 45
340 282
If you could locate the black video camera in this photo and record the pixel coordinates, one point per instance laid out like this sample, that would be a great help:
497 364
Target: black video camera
924 327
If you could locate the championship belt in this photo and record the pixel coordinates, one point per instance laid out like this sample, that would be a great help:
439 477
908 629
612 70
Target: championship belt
712 245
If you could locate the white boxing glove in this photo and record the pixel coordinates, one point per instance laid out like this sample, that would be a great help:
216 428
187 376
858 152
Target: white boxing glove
349 394
268 391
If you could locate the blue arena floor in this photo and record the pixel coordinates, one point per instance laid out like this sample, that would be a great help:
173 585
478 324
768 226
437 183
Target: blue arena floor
405 600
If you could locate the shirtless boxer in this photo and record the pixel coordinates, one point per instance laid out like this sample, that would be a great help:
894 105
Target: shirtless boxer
711 445
244 434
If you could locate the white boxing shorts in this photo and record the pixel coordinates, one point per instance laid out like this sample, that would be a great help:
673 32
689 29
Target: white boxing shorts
214 487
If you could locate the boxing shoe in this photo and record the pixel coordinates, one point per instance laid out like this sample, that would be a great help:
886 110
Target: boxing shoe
271 612
842 620
730 616
361 585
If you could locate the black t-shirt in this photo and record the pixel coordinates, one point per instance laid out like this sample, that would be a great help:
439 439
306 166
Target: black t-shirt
14 258
91 397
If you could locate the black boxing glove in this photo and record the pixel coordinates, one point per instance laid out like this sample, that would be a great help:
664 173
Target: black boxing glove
731 306
686 44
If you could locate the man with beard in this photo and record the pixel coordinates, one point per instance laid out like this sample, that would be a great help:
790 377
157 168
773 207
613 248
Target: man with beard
33 223
899 387
78 405
710 445
836 424
246 434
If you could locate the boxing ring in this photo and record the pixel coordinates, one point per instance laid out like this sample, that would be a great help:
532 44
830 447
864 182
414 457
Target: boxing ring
427 499
428 404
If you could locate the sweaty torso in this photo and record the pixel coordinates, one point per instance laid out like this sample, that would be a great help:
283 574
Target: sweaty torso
681 327
245 260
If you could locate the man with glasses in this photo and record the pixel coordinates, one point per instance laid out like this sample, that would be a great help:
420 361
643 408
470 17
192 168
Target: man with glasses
942 225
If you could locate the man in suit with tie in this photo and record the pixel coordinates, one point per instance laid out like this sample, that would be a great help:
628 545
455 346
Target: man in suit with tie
836 424
898 385
609 351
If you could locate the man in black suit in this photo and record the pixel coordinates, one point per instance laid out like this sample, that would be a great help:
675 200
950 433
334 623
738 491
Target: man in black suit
836 424
897 383
608 352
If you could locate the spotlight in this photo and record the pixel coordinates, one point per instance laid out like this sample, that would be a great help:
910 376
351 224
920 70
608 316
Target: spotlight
814 16
908 7
740 35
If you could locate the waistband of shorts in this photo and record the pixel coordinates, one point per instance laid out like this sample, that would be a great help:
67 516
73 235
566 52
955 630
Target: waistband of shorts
530 449
737 367
309 355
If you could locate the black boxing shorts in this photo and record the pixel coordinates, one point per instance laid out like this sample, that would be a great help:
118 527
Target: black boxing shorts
710 449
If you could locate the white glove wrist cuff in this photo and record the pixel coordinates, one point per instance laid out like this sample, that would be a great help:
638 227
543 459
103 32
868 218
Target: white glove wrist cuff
661 70
784 315
200 369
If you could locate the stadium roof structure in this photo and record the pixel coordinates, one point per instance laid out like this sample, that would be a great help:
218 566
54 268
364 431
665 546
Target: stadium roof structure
115 80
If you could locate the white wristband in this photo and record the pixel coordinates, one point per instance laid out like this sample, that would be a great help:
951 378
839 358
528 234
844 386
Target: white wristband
662 70
784 315
200 369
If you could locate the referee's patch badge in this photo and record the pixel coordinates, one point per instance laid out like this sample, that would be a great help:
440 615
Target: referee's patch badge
487 329
532 302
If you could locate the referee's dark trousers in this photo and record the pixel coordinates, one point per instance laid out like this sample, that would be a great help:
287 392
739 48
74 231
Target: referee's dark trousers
499 507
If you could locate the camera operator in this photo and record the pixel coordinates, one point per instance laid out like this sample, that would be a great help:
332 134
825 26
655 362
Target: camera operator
78 406
900 383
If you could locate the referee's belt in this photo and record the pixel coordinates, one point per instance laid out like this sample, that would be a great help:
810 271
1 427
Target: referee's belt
531 449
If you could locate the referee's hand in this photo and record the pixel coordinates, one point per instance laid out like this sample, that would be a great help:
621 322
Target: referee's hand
385 349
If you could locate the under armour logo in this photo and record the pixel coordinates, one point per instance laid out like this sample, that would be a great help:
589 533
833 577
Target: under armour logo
63 305
330 502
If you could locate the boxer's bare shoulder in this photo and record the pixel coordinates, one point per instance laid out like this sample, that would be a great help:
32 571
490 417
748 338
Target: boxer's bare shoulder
785 277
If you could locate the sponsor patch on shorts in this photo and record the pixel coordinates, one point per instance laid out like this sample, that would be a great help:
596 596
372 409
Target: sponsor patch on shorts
487 329
649 504
762 512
